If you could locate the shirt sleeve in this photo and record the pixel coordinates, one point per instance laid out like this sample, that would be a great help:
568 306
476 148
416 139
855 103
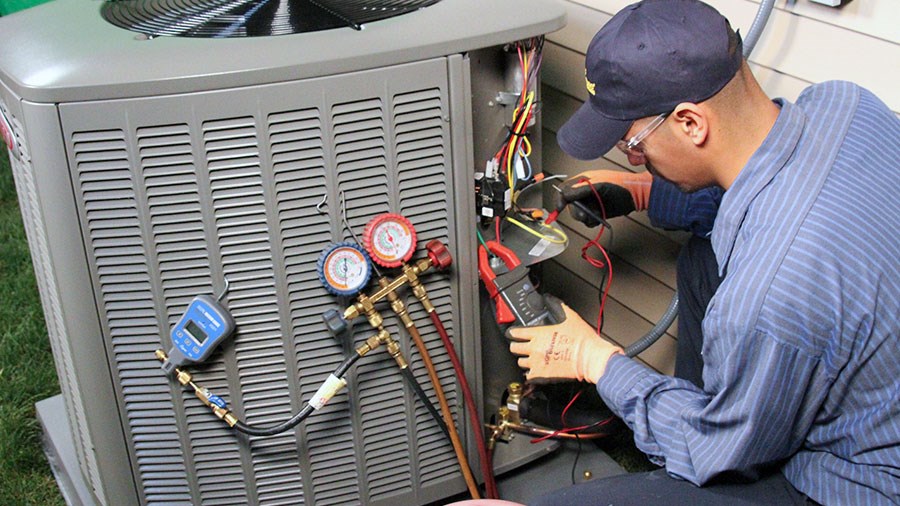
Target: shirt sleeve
673 209
758 417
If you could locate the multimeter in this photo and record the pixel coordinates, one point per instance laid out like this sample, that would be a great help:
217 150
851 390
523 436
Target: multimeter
203 326
516 299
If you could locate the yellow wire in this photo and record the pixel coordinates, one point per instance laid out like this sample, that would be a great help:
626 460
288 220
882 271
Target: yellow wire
561 237
510 175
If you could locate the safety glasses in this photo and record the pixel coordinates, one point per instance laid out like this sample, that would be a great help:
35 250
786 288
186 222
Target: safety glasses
629 147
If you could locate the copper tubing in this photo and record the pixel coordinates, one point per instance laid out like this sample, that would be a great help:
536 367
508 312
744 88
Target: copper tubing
399 308
537 431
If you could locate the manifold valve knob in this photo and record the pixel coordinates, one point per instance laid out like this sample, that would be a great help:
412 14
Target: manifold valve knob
337 325
439 254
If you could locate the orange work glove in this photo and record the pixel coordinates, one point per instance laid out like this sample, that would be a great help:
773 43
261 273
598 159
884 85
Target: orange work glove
620 191
569 349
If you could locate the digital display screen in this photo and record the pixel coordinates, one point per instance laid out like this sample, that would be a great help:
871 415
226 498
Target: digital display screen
195 332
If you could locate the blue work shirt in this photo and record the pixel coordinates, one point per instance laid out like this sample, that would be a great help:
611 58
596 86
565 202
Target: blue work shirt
801 346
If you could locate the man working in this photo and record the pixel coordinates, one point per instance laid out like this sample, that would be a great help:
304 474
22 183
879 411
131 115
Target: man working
788 367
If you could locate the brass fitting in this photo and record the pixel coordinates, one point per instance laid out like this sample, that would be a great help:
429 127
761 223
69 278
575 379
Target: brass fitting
502 431
513 399
225 415
370 344
183 377
397 305
393 348
364 305
412 274
186 379
202 394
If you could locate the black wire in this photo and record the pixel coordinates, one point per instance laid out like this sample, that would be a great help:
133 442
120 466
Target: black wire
300 416
577 454
603 280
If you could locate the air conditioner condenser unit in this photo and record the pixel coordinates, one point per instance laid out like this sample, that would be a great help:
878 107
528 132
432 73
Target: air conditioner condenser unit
152 167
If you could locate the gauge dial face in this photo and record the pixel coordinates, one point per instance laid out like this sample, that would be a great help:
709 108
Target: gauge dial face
345 269
390 239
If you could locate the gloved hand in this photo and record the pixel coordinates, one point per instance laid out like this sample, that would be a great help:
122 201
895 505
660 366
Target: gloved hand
621 192
569 349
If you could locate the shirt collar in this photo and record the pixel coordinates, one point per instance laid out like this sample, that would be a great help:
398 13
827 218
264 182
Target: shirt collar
765 163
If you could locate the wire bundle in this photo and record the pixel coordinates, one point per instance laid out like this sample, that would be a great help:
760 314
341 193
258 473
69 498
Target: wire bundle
516 149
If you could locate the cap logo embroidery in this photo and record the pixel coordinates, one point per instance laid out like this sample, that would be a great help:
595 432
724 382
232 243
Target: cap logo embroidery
591 87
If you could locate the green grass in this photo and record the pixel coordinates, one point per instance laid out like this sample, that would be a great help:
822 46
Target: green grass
27 374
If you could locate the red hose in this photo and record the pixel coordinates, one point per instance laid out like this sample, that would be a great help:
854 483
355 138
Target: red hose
487 471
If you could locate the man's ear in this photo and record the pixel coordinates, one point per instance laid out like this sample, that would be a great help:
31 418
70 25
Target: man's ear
692 121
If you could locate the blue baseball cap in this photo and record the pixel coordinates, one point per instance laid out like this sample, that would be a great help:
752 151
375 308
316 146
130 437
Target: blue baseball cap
650 57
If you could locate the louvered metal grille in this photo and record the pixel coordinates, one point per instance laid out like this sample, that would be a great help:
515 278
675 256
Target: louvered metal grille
167 172
298 161
175 207
106 187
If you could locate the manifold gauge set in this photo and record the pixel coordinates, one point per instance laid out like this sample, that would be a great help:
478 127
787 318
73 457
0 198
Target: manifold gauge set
344 269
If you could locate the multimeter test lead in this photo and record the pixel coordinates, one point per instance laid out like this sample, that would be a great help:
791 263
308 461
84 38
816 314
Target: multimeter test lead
554 215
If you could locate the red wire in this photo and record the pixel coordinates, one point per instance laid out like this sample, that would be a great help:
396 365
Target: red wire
596 263
570 430
562 417
497 228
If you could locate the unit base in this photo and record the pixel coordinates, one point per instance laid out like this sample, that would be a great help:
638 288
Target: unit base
60 451
520 485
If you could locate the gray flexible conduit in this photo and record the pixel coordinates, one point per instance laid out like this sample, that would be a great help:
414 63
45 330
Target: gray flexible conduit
756 29
759 23
658 330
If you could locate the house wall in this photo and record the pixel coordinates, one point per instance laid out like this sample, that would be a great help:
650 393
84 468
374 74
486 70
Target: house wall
803 43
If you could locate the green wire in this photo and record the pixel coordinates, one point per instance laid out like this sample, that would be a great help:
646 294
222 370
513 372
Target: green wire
481 240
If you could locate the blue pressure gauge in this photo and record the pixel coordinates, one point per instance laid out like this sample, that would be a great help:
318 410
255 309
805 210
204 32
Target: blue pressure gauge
200 330
344 268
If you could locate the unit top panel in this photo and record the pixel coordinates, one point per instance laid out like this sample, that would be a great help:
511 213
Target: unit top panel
64 50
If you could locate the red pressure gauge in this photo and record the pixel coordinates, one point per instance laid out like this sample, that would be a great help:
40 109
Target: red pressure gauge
390 239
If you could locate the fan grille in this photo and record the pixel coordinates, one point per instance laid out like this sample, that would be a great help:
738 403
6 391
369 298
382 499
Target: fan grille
249 18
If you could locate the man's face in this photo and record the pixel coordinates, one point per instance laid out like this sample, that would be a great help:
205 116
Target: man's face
666 156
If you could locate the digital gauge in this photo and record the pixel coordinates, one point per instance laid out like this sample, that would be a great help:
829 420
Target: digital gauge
390 239
344 268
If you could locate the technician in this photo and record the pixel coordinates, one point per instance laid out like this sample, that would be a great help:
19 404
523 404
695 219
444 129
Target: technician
788 387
